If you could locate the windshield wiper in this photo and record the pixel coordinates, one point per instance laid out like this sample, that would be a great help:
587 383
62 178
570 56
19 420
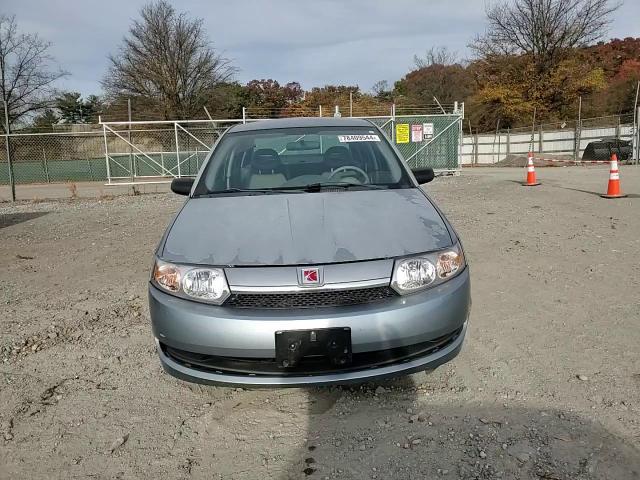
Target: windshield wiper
310 188
316 187
250 190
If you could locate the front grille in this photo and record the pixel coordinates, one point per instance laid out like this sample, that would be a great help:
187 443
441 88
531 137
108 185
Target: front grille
311 299
313 365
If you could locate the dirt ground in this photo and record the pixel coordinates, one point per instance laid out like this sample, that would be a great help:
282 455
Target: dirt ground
547 385
79 190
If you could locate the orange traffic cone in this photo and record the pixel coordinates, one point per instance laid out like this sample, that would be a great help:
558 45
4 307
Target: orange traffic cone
531 173
613 189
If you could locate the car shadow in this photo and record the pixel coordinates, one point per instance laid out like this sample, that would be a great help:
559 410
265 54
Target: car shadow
407 430
597 194
330 433
9 219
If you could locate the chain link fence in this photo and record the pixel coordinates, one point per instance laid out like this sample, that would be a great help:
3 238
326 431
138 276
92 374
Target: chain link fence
557 141
439 148
53 157
96 155
139 151
123 152
425 140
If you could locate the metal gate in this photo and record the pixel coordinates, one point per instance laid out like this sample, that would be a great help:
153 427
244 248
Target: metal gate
426 140
157 151
138 152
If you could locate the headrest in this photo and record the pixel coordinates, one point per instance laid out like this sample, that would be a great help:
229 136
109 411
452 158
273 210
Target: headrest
337 156
265 159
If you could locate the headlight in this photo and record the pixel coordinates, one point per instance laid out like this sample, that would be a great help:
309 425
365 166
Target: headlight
205 284
413 274
450 263
195 283
417 273
167 276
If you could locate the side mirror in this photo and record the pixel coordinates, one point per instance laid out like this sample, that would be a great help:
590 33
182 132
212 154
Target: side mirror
423 175
182 186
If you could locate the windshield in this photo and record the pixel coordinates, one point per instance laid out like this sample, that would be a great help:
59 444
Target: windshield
305 159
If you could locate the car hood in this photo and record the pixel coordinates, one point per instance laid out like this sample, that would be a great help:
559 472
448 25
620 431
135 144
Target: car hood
305 228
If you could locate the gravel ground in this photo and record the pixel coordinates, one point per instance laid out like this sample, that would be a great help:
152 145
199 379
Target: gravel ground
546 387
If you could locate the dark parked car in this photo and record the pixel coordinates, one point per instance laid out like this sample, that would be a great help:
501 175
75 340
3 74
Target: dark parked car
603 149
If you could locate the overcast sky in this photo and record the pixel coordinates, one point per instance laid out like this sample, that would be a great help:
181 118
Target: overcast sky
314 42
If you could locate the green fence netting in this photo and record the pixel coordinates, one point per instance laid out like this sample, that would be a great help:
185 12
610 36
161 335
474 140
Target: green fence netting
153 152
439 136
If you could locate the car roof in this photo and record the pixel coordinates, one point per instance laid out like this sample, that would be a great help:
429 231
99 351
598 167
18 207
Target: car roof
300 122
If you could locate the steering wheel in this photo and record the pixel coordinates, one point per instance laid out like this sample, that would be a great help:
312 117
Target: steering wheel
359 171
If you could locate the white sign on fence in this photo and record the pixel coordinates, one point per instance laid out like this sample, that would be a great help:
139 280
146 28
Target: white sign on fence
427 131
416 133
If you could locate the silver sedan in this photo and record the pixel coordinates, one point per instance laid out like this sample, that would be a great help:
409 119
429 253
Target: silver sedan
306 253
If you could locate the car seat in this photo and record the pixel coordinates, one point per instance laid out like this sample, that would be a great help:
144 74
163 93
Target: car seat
266 169
336 157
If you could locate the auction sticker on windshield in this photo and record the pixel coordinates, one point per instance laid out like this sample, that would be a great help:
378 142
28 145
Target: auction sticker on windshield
358 138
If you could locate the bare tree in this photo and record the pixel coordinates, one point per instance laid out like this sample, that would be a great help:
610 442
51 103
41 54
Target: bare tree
167 58
380 88
436 56
544 29
27 73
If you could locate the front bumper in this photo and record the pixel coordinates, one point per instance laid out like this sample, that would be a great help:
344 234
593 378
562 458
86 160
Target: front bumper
244 333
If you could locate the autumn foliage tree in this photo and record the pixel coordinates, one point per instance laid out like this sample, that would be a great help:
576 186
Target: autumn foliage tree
509 90
526 59
267 97
546 31
447 83
331 95
348 98
620 61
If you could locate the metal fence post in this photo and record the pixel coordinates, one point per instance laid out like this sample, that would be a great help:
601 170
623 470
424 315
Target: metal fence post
508 141
540 139
637 142
12 182
493 146
90 170
45 167
393 122
475 149
175 128
244 118
106 152
460 136
351 103
131 168
577 137
578 134
634 133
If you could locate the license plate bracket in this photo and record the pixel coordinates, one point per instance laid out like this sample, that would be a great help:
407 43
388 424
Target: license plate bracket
292 346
